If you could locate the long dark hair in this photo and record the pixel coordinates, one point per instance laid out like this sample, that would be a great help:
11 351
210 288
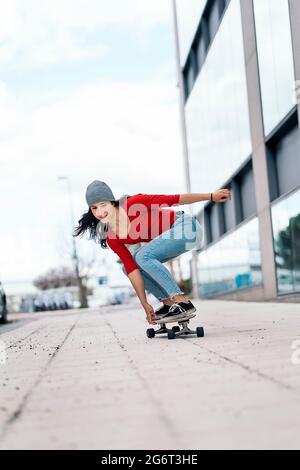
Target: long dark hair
96 229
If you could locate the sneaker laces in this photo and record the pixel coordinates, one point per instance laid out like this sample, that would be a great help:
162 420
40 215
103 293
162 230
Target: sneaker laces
174 306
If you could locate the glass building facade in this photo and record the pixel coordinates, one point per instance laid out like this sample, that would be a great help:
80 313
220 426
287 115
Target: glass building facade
189 13
217 109
233 263
222 139
286 223
275 55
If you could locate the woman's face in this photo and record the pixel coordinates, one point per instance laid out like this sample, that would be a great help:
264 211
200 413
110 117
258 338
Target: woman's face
103 211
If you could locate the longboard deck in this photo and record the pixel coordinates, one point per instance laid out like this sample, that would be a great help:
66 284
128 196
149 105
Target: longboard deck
163 321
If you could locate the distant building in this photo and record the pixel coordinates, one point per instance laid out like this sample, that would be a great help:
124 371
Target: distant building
241 69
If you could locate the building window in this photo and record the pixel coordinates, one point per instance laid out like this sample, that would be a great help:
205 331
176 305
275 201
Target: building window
231 264
286 232
202 46
283 152
275 55
189 15
247 192
217 114
230 218
213 19
204 35
190 77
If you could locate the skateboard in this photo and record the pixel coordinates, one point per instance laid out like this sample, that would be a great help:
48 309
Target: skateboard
175 331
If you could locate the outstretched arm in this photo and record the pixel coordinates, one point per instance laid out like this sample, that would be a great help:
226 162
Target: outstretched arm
223 195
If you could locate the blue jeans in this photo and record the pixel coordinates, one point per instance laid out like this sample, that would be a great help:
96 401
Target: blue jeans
185 234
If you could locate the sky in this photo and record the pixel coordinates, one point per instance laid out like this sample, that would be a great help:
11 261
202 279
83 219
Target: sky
88 90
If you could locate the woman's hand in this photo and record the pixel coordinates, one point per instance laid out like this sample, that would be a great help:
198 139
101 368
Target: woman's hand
221 196
150 314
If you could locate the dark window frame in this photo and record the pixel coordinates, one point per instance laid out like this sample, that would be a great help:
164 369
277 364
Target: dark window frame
202 33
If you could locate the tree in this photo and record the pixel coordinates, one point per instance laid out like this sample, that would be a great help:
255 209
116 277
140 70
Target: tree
55 278
81 264
287 245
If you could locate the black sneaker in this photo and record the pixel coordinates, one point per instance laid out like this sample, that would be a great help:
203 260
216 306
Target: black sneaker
179 310
160 312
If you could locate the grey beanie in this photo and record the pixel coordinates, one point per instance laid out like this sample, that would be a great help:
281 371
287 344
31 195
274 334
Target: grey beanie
98 191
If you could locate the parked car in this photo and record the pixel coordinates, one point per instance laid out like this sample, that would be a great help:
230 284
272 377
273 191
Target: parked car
3 310
52 302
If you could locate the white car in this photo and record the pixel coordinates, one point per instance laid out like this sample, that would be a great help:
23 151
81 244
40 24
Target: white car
3 310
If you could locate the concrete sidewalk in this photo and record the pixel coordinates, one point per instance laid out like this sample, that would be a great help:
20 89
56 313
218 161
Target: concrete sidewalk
93 380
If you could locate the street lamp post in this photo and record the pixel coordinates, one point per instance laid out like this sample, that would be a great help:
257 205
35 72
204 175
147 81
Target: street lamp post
69 186
81 287
184 139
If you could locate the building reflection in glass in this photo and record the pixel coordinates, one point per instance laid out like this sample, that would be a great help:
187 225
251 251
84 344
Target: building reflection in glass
274 45
217 109
231 264
189 15
286 230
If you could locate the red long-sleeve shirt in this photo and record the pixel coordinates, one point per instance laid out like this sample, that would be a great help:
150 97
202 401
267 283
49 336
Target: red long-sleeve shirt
147 218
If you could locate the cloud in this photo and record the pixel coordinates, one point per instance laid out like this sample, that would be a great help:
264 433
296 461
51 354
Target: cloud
36 33
99 123
126 134
123 132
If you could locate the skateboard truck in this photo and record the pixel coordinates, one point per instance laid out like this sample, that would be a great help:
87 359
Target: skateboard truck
181 329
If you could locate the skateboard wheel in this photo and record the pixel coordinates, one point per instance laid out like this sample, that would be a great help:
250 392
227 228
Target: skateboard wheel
150 333
171 334
200 332
176 329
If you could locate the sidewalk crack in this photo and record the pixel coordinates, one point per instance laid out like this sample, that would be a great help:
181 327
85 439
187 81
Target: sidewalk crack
20 409
251 370
163 416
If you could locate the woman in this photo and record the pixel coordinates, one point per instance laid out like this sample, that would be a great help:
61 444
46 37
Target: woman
159 234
